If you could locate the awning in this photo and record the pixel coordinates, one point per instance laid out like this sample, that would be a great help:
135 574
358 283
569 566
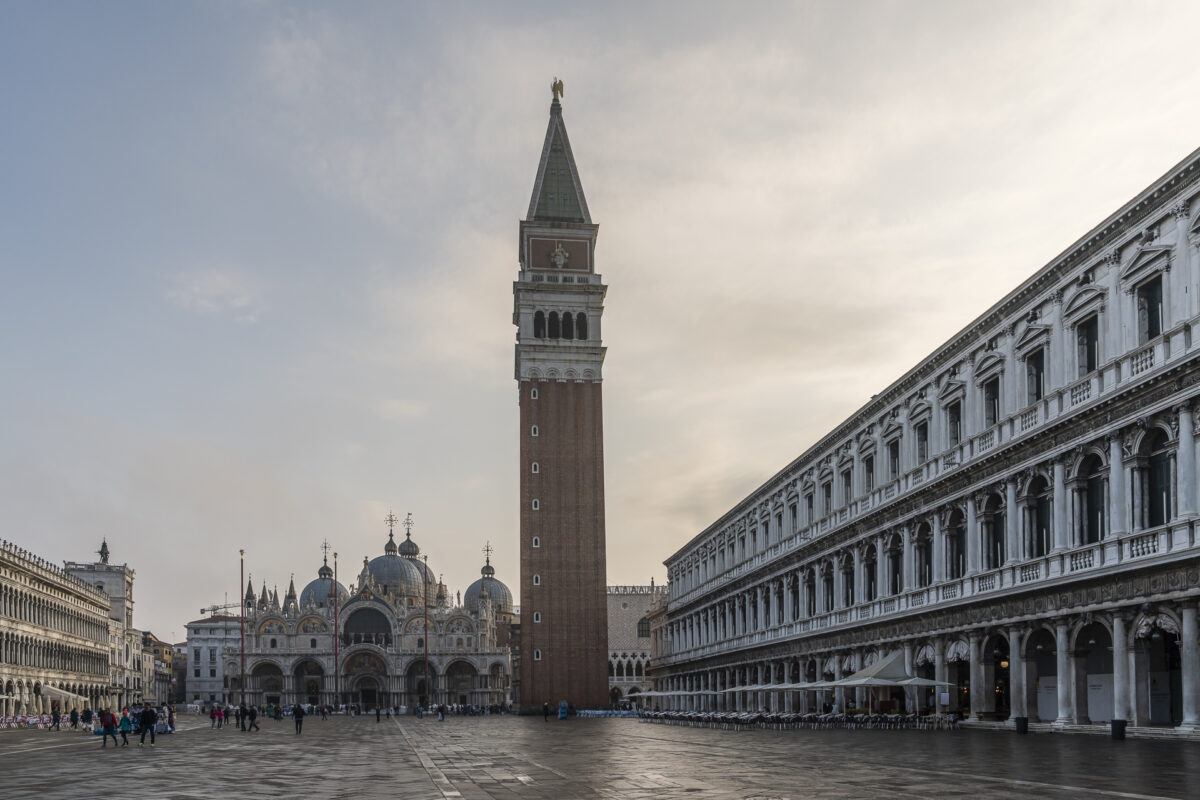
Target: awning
887 671
53 691
924 682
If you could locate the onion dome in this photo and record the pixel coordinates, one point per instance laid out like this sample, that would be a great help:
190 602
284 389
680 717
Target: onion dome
408 548
319 593
487 586
390 547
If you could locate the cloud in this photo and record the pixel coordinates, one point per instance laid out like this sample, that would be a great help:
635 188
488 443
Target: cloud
215 291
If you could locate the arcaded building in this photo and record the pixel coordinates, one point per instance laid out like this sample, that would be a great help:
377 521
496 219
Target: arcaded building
1017 514
629 640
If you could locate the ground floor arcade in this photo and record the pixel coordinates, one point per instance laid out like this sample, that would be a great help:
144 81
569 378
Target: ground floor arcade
371 679
1092 663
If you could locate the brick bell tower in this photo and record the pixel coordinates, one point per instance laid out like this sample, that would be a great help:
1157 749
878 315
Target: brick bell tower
558 300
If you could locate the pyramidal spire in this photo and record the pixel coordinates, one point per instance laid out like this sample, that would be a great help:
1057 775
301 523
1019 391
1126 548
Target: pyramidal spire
557 190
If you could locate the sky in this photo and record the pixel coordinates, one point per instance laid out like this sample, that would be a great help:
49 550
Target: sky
256 259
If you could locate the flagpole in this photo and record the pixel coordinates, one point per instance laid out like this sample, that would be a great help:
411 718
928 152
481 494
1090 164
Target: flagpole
242 625
337 674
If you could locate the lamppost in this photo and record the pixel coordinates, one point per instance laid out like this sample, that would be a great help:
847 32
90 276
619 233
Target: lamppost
242 624
337 670
425 609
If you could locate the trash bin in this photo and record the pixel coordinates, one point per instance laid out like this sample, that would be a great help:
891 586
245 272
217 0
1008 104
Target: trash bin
1022 724
1118 729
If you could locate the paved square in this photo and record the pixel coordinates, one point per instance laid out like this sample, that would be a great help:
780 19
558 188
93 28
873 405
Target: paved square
511 757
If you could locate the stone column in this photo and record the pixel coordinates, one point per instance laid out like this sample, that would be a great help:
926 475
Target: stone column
939 673
908 566
839 694
1186 464
859 594
1060 505
974 640
1118 515
1066 712
1120 656
910 692
939 550
1018 701
1189 651
974 545
881 582
1012 522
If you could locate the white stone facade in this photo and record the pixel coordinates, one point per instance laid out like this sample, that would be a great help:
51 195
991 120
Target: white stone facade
375 654
54 638
1017 513
208 640
629 639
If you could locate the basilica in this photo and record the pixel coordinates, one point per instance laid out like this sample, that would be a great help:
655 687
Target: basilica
394 637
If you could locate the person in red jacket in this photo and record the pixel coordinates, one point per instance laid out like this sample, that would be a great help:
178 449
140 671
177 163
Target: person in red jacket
109 723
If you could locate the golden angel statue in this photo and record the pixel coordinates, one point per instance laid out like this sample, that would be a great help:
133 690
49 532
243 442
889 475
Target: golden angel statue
556 88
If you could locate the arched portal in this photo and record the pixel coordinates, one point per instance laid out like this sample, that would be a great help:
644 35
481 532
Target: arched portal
365 680
997 699
460 683
266 684
1159 686
1092 660
310 680
1041 676
417 684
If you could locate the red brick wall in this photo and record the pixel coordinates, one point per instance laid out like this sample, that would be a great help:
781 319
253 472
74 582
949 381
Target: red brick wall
572 597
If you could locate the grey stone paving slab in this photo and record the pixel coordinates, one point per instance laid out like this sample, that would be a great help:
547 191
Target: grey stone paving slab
489 758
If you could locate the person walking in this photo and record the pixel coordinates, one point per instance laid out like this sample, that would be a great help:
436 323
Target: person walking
545 712
108 723
298 715
243 716
74 719
126 726
55 718
86 718
220 717
212 715
376 715
324 712
253 713
149 718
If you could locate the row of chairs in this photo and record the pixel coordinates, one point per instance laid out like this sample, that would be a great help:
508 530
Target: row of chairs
739 720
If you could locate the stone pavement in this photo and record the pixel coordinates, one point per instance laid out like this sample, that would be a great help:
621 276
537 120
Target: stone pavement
514 757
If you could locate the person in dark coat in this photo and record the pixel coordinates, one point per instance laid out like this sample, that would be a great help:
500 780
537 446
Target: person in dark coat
109 725
253 712
298 715
74 718
149 717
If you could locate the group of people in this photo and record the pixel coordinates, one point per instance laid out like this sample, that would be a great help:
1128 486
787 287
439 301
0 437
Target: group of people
137 720
245 717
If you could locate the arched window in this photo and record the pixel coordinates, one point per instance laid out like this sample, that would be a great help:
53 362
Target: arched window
536 504
924 556
537 616
537 542
534 468
643 628
581 325
420 642
312 643
620 669
1089 487
612 670
554 332
273 643
537 580
568 327
533 394
537 655
637 669
533 431
539 325
1037 518
993 532
956 546
1156 480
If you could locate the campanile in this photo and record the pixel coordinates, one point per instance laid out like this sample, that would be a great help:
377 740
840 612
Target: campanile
558 300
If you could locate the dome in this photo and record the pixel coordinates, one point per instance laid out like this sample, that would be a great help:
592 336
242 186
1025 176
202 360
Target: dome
317 593
408 548
400 576
497 592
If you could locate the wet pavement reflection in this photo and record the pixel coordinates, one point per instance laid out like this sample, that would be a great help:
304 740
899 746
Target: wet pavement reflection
511 757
